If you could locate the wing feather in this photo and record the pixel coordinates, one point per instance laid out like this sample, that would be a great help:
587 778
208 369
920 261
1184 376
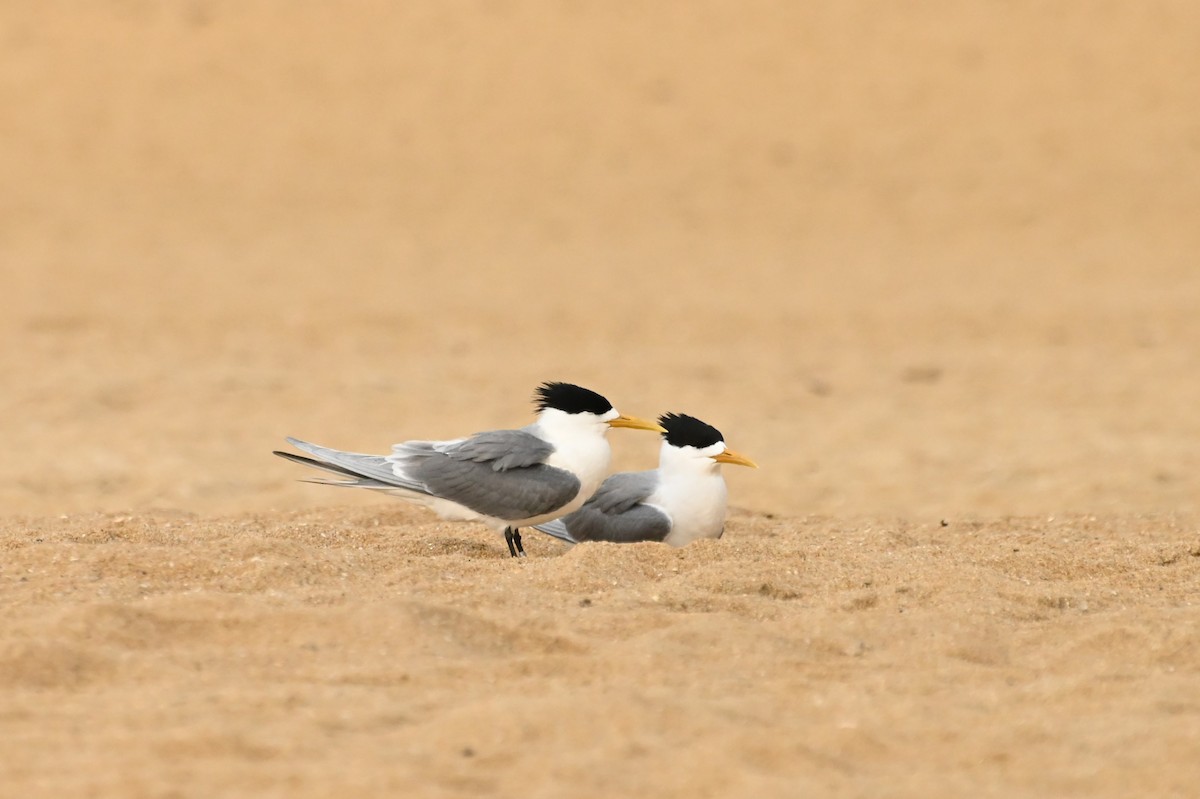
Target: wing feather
501 473
617 512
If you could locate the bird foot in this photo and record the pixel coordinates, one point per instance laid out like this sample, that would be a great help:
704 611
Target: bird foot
513 539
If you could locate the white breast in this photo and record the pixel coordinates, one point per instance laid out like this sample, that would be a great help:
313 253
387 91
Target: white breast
696 505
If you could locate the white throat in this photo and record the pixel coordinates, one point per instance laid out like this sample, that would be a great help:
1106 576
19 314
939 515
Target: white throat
580 446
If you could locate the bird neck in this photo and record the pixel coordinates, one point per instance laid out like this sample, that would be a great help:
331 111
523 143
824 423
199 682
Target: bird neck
580 446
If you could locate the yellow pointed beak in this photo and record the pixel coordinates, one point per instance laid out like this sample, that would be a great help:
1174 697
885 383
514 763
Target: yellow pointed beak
636 424
729 456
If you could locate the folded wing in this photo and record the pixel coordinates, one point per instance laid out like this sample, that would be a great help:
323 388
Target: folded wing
618 512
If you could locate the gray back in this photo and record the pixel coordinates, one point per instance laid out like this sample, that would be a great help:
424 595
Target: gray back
501 449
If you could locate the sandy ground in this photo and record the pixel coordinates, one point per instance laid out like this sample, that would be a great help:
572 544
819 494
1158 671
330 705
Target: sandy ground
936 268
370 652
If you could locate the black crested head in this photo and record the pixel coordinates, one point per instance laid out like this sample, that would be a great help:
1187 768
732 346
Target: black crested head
569 398
688 431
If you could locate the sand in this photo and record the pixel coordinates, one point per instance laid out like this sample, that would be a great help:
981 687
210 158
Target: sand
935 268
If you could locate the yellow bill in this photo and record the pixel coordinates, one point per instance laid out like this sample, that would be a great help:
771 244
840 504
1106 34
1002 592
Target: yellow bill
635 423
729 456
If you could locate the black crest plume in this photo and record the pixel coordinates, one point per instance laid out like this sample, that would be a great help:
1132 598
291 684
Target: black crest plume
688 431
570 399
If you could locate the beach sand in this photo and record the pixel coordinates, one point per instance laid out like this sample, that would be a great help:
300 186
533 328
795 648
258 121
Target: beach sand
935 268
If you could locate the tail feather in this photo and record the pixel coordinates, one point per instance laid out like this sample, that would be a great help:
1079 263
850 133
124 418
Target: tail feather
557 529
354 481
374 472
365 471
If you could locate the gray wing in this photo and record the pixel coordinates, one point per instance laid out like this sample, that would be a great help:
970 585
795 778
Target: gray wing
621 491
512 494
500 449
615 513
500 473
479 473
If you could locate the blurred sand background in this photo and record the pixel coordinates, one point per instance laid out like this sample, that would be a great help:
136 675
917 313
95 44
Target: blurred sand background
924 262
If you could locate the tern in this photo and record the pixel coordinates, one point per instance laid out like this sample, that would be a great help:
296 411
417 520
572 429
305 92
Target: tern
507 479
679 502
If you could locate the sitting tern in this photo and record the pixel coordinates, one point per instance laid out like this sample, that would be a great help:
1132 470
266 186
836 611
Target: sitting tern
680 501
507 479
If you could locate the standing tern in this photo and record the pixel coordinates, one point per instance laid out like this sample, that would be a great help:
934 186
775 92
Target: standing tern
507 479
680 501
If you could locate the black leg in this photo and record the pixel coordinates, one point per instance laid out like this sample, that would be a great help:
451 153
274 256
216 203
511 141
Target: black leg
517 541
508 537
